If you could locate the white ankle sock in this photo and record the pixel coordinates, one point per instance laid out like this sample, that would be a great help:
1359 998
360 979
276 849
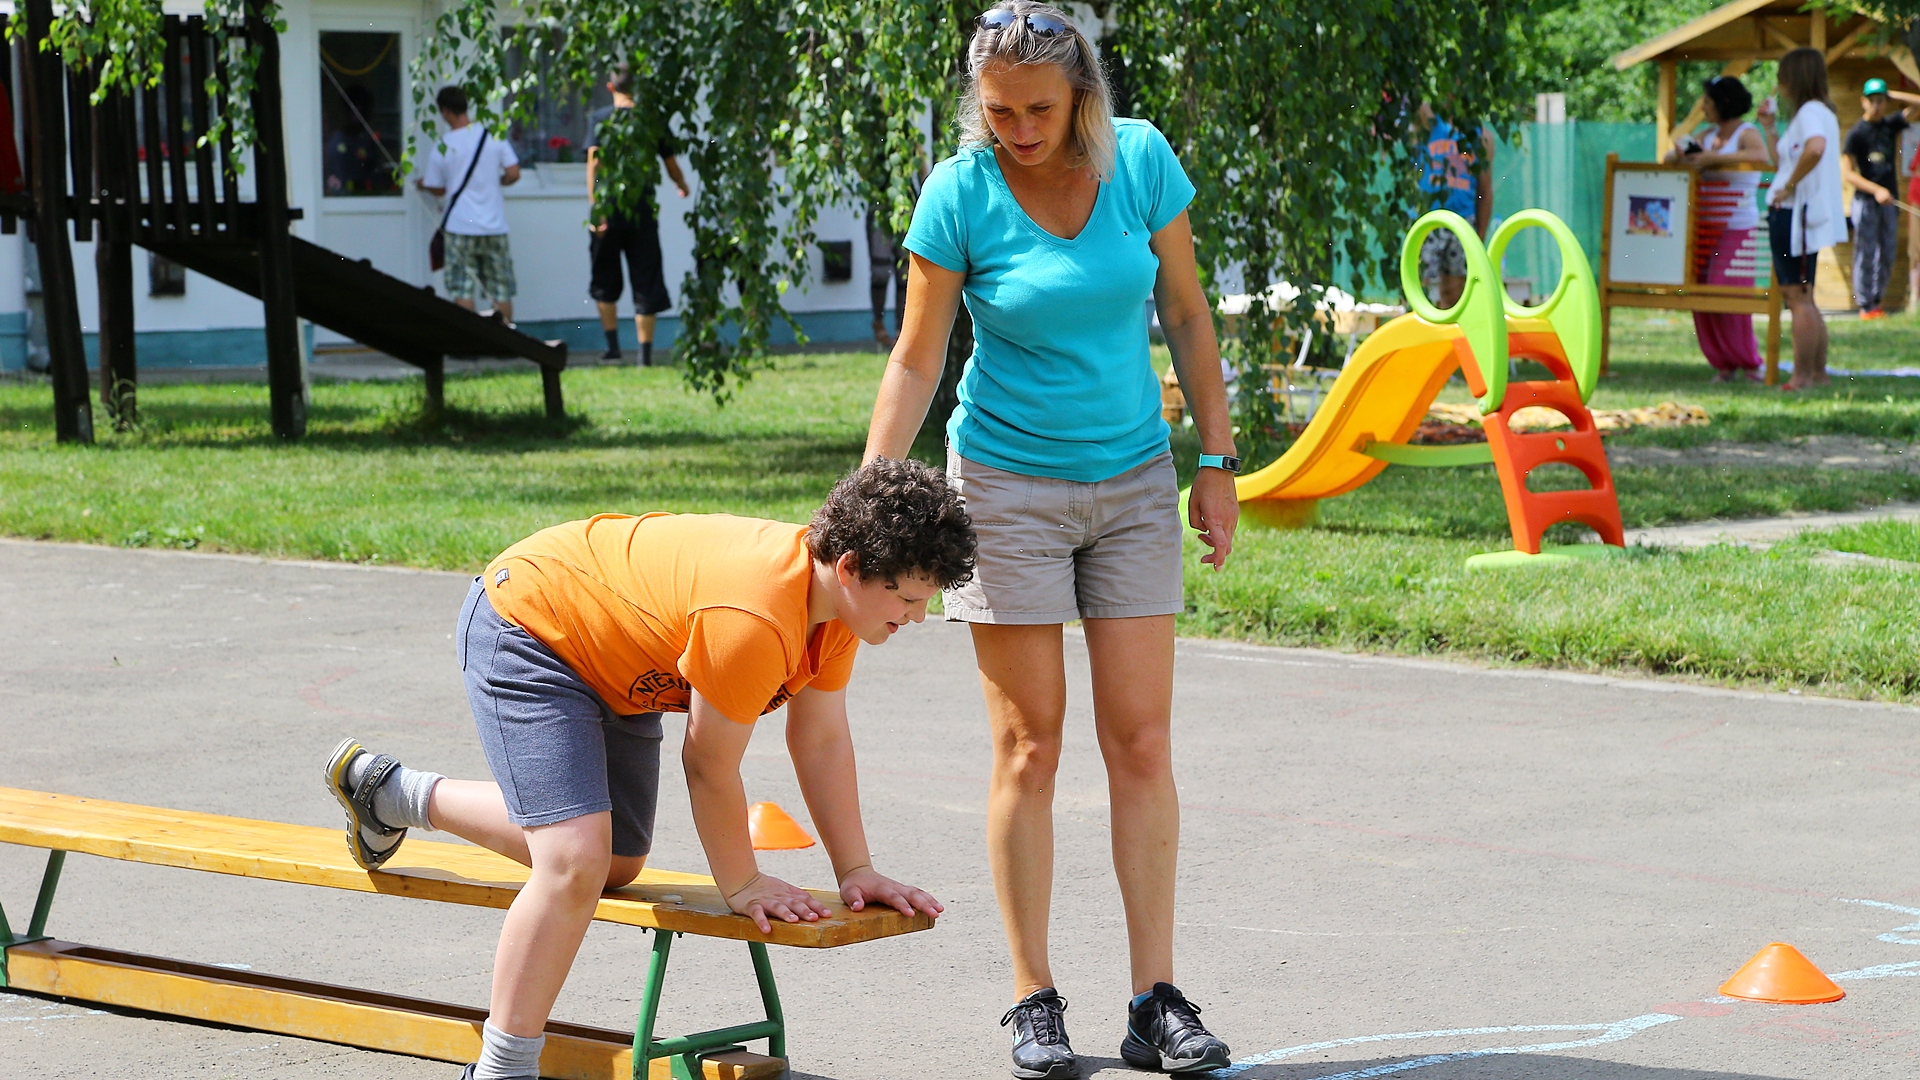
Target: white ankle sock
401 800
507 1057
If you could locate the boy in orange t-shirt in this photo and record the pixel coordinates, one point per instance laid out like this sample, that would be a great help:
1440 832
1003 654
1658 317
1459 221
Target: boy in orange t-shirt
576 639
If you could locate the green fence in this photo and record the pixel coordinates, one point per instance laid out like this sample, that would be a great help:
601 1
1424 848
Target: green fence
1561 168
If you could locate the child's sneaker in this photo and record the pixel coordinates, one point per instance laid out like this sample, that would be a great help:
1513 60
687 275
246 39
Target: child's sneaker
1040 1049
1164 1033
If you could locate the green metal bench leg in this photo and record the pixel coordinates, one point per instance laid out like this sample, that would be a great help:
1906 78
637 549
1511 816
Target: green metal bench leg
770 997
650 1003
685 1051
42 907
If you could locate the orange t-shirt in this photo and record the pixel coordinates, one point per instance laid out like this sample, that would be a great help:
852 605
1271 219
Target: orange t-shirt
648 609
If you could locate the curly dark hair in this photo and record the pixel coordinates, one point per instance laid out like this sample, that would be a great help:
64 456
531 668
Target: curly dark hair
896 517
1730 97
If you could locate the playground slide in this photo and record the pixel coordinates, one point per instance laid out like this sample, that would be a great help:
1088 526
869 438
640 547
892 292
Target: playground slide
1379 399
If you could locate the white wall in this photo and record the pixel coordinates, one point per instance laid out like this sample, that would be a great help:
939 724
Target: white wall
546 210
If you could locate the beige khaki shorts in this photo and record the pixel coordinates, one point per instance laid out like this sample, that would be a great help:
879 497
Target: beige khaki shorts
1051 551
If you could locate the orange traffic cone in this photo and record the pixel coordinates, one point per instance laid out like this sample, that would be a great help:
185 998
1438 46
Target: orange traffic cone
773 829
1780 975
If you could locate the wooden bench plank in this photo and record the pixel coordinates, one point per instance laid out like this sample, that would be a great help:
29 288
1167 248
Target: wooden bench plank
336 1014
429 870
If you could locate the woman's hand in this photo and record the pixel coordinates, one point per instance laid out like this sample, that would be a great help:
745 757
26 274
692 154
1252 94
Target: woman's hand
863 885
1782 193
1213 508
763 896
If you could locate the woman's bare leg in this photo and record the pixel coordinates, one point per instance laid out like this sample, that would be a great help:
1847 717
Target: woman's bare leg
1023 675
1809 337
1133 710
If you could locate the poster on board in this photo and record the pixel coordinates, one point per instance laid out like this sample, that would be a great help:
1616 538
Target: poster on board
1649 223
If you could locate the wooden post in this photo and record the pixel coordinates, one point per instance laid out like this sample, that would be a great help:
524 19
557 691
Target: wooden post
1773 334
67 353
1663 109
1817 31
113 261
550 387
286 379
113 266
1606 263
436 371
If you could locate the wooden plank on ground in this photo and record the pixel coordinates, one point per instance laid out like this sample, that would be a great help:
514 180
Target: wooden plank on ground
336 1014
429 870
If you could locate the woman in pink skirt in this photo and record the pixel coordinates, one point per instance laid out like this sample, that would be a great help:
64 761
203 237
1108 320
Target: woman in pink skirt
1726 243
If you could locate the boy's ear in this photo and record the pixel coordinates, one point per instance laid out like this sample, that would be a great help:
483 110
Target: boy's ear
847 569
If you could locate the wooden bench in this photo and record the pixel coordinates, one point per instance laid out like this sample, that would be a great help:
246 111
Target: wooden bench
662 901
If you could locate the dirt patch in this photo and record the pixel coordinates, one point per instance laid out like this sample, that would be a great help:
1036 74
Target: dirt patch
1810 452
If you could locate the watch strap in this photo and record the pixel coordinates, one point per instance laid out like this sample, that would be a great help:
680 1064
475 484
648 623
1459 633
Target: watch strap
1225 462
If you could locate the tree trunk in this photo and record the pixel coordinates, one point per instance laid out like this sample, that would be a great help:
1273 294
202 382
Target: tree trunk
46 86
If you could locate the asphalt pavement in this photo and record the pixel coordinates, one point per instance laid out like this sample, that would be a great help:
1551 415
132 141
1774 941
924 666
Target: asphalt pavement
1388 867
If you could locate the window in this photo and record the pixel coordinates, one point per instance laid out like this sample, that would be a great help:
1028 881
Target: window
165 277
360 113
559 129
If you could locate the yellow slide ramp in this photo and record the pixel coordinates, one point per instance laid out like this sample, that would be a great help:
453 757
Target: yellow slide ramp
1363 425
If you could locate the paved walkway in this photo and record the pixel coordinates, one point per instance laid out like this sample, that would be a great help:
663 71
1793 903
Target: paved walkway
1388 866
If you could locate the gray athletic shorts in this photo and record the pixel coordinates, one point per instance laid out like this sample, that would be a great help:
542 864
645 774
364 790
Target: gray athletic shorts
556 749
1051 551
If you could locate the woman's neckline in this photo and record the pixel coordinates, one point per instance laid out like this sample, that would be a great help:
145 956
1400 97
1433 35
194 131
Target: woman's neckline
1099 200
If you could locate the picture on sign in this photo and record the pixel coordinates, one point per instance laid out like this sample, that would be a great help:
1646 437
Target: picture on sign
1649 215
1648 226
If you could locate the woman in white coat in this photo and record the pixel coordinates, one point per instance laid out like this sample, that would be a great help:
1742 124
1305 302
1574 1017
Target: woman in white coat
1805 208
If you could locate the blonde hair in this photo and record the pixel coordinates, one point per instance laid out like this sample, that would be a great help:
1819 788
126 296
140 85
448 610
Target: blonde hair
1092 131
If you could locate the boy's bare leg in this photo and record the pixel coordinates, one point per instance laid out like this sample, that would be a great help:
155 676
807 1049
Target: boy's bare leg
475 811
548 920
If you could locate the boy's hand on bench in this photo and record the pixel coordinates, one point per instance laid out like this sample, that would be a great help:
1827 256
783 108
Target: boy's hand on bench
765 896
863 886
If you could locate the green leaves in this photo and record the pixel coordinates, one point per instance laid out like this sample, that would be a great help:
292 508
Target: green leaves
1295 122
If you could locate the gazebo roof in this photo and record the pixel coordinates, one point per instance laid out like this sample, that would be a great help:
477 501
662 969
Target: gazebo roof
1761 30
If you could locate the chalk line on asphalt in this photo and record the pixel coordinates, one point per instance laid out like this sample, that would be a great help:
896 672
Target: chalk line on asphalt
1607 1033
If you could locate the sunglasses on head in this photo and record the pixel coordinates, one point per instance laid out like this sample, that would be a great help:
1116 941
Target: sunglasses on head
1038 23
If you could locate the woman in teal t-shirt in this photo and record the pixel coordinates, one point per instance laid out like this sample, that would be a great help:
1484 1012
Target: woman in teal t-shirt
1057 224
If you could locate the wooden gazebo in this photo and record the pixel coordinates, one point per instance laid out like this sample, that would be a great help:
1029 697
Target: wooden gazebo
1745 32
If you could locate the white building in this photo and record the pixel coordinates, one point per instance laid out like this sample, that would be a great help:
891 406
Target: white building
336 49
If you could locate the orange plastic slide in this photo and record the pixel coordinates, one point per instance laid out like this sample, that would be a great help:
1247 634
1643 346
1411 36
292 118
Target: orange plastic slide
1363 426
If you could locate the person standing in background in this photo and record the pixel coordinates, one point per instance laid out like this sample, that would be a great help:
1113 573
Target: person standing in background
634 236
888 266
1869 162
1729 218
479 256
1457 175
1805 208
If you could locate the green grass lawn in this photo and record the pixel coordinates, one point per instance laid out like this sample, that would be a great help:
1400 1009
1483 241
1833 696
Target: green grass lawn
1384 572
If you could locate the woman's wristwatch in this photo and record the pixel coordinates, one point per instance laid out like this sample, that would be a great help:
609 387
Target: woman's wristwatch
1226 462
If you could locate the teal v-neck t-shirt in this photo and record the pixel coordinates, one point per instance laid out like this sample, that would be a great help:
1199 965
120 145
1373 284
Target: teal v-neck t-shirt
1059 383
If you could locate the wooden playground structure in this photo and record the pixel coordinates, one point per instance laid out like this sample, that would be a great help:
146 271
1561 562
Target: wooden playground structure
141 176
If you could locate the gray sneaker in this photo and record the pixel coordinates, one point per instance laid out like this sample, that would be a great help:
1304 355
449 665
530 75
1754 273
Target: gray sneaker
1040 1050
1164 1034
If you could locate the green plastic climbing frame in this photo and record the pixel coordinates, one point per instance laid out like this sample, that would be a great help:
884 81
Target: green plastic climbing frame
1479 312
1574 306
